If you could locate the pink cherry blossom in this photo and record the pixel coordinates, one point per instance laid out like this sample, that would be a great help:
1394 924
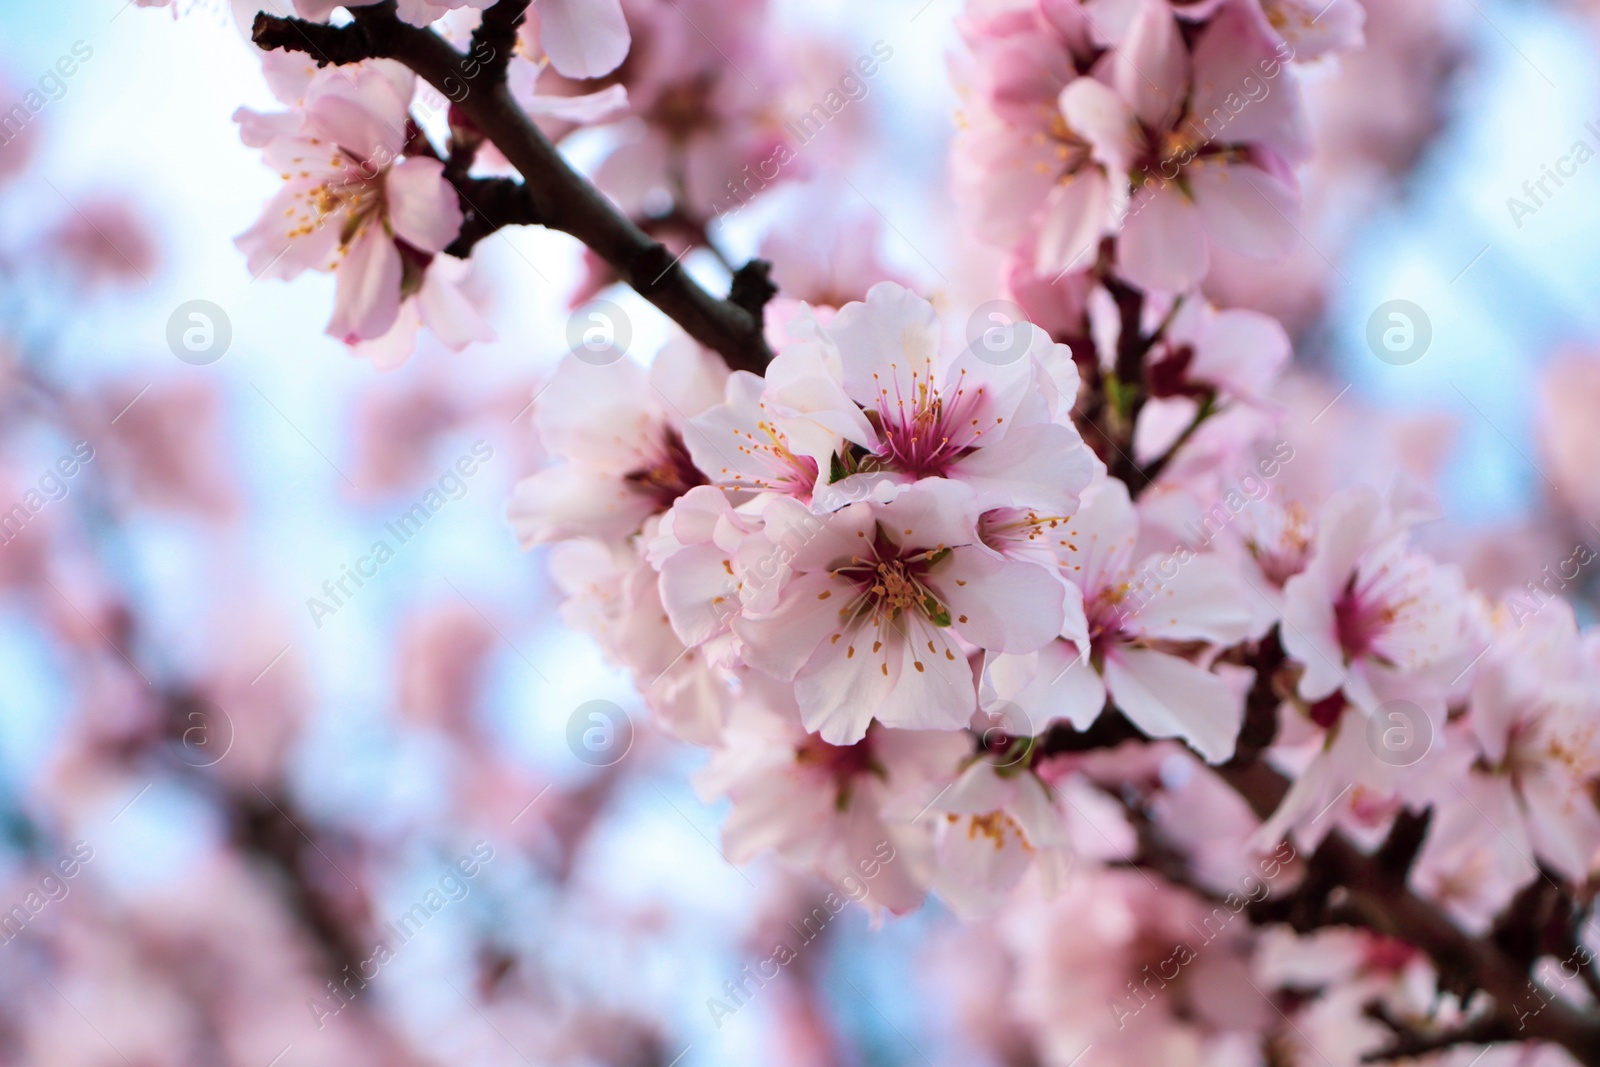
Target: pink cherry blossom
827 807
353 202
1533 721
880 377
1133 971
620 430
1199 145
1124 620
995 824
1137 655
1021 169
701 133
880 604
1365 610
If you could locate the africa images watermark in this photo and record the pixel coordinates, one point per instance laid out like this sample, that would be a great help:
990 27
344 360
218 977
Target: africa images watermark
452 888
52 86
54 484
52 888
741 990
452 485
1251 890
1538 191
1550 585
1253 487
852 88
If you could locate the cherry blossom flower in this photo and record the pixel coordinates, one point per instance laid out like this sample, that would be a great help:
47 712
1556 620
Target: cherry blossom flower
1366 610
995 824
878 603
744 443
1535 726
620 430
1235 352
1134 970
1021 168
826 807
1382 634
695 549
1126 622
878 377
350 203
1202 142
701 135
1351 969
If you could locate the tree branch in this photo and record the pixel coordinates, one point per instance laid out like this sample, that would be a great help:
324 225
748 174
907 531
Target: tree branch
557 196
1364 890
486 205
1411 1043
1345 886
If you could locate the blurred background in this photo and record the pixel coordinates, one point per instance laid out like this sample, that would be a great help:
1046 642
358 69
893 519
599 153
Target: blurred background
247 788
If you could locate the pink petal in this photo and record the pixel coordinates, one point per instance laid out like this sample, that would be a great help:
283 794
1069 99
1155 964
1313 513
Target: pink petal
998 604
884 341
423 207
1076 214
1204 599
584 38
781 641
1044 466
365 116
1170 697
698 592
933 684
839 692
565 501
1151 68
1241 350
1056 682
1163 243
275 248
1247 209
1234 102
590 107
445 309
1095 111
367 293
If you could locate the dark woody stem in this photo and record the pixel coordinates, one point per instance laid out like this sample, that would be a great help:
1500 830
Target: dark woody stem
551 192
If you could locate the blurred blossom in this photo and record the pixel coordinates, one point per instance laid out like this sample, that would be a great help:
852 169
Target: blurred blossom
1569 388
1042 660
167 438
105 240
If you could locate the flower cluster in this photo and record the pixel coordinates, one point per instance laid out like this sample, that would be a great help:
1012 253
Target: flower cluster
1032 612
889 581
1174 127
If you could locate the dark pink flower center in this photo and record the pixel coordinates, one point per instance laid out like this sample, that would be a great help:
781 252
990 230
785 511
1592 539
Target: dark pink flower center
671 475
923 433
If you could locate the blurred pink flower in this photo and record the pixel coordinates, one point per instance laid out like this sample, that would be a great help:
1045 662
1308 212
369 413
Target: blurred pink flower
1569 394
